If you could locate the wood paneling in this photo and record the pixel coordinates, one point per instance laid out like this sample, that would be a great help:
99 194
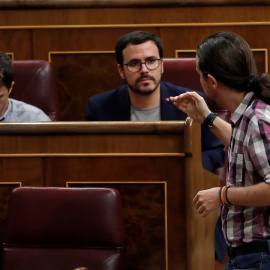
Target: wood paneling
63 34
18 42
156 166
87 73
125 3
135 15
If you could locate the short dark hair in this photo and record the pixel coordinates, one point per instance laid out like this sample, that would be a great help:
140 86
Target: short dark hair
6 70
135 38
228 58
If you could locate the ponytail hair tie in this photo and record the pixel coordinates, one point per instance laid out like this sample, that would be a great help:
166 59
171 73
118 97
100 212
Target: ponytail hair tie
253 83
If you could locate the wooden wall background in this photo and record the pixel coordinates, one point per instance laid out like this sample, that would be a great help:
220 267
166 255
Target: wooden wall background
78 37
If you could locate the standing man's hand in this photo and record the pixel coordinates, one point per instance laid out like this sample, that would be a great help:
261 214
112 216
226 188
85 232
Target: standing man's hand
193 105
207 201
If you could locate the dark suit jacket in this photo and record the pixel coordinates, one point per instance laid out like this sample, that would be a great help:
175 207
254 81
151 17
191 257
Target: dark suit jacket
114 105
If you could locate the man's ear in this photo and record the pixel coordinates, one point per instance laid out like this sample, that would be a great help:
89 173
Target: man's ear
162 66
11 87
212 81
121 71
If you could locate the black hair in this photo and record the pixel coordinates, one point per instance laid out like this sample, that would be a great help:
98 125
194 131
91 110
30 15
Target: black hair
228 58
135 38
6 70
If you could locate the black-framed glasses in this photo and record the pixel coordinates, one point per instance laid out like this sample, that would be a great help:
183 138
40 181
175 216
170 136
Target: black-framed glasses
136 65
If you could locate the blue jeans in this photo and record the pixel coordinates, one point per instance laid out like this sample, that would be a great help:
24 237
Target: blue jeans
251 261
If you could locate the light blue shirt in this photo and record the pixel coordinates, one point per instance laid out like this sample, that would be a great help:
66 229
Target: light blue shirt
19 111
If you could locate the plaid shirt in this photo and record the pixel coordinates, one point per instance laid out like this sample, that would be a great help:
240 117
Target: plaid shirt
248 164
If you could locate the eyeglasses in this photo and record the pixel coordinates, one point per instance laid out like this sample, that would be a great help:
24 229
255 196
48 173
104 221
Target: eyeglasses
135 65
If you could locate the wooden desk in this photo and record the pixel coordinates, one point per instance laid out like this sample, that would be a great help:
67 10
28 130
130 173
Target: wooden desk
156 166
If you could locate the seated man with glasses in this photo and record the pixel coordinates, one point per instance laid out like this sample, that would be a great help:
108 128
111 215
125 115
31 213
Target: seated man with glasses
143 98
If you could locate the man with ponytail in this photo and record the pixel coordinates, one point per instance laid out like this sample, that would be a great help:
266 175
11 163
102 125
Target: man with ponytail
229 77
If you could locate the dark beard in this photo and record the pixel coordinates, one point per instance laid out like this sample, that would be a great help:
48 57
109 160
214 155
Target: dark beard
147 93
